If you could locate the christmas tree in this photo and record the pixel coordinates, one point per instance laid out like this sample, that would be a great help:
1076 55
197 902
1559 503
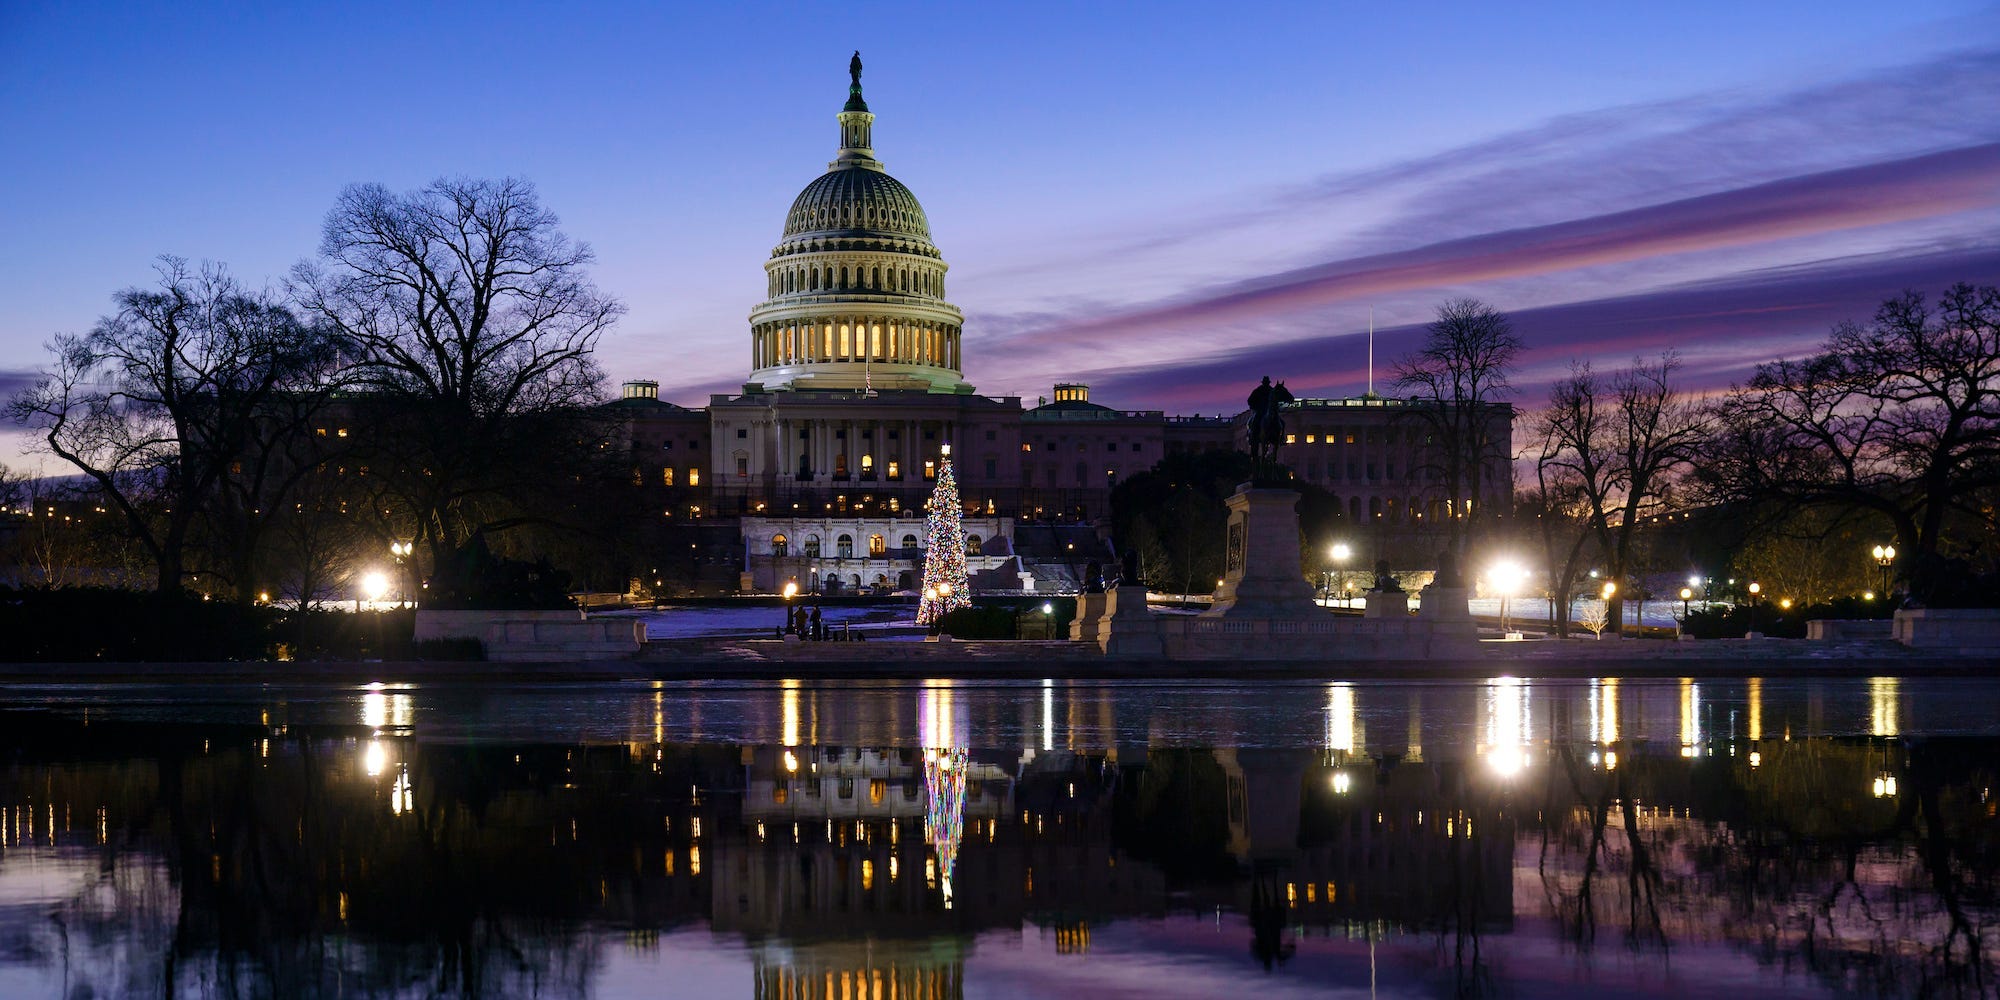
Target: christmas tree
945 585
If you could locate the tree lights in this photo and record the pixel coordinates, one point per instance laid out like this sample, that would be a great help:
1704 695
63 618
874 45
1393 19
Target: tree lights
945 585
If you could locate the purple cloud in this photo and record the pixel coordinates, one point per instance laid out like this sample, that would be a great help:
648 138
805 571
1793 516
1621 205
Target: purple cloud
1720 327
1922 187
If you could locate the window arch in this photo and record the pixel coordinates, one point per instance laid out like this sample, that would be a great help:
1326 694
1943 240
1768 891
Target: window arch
843 546
908 542
812 546
877 545
779 545
972 545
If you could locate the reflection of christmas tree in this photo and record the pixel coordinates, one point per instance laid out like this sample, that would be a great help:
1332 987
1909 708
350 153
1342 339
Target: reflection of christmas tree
944 555
944 811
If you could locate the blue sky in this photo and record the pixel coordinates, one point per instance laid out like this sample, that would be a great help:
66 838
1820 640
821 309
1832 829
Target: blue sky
1164 199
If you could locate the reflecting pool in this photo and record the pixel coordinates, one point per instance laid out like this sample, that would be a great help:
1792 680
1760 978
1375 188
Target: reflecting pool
858 841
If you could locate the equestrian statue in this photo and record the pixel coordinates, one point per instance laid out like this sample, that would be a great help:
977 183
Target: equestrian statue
1267 428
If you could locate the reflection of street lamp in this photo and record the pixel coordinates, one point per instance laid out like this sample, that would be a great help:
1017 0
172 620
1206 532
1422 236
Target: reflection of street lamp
1885 556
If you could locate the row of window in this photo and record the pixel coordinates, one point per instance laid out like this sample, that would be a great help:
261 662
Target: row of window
1385 436
1083 477
878 789
1050 446
843 546
667 476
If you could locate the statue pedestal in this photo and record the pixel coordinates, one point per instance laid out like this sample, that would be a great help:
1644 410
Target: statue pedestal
1262 577
1449 610
1118 622
1385 604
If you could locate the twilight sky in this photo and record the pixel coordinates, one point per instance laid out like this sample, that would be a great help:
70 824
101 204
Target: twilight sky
1165 200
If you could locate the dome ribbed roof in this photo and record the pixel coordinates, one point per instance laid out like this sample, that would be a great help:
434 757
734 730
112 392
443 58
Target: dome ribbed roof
857 200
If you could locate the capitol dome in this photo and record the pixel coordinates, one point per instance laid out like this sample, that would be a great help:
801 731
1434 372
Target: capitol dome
857 203
855 288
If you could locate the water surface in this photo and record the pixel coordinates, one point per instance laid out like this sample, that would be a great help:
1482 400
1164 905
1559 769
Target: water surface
909 840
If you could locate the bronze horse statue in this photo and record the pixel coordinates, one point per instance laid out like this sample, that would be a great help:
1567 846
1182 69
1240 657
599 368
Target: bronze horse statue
1267 426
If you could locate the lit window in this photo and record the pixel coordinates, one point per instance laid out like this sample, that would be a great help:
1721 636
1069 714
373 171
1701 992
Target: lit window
667 476
1291 439
1025 446
895 469
694 477
341 432
877 545
1312 439
930 469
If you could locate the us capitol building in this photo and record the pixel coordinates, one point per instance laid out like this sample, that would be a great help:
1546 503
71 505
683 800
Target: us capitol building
857 388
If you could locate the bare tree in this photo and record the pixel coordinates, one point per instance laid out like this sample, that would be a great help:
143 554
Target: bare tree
1561 512
1900 417
13 488
1461 374
1622 453
160 403
475 320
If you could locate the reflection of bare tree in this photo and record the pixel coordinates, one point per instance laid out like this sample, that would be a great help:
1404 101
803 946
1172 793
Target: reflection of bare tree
1793 857
1583 818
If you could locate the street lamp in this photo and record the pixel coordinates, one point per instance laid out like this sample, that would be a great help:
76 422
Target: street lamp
373 586
1687 594
1506 577
1885 556
401 551
1755 589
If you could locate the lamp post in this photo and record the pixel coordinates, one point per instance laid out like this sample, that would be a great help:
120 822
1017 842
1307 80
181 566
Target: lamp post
1885 556
401 550
1340 553
1618 627
1506 577
1687 595
1755 589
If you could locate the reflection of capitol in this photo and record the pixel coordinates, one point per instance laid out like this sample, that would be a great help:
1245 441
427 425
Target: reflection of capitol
856 867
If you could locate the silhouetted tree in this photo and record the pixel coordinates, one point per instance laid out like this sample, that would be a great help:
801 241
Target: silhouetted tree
1620 447
1462 372
165 404
1900 417
475 320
